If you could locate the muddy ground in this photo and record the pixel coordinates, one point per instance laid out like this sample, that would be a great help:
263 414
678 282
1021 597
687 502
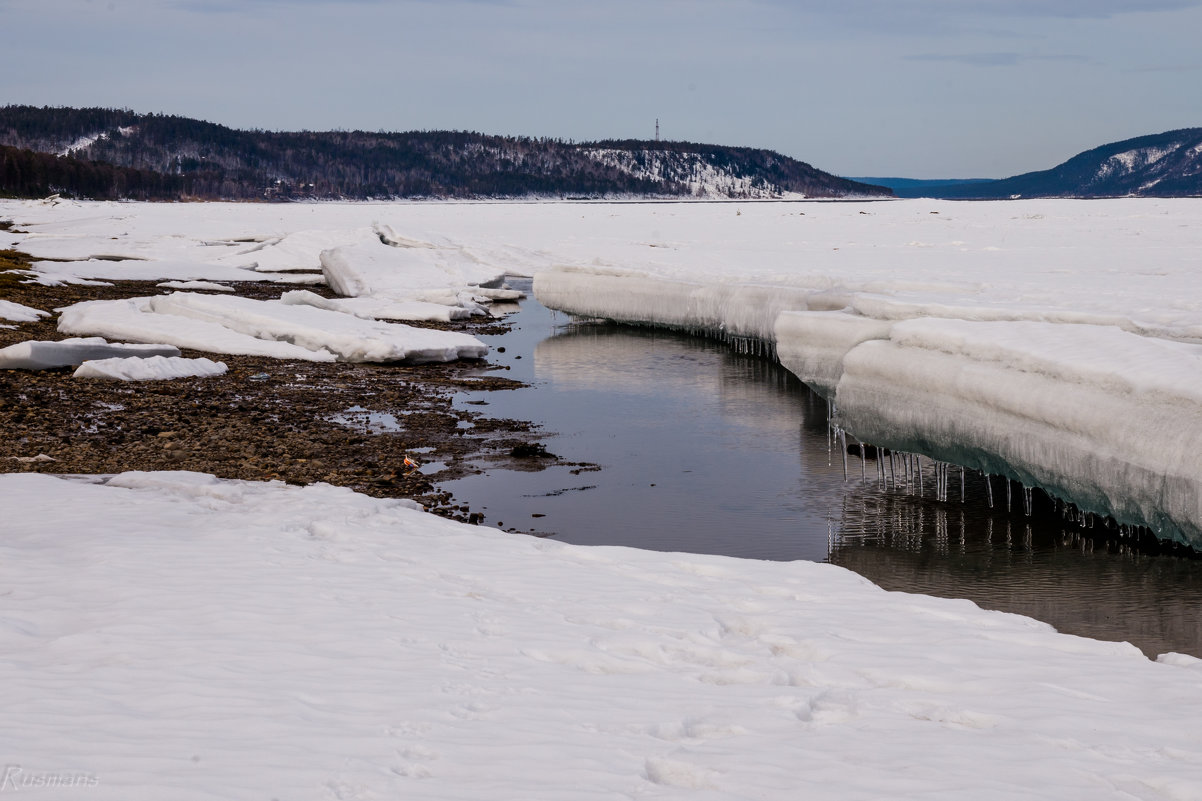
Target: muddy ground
264 419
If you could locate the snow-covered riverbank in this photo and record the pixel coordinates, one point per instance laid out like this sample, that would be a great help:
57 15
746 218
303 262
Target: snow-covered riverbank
171 635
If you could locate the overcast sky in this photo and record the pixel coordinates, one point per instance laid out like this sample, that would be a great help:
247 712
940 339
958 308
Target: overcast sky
918 88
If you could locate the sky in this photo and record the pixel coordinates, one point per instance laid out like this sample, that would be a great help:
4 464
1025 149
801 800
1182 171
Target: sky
914 88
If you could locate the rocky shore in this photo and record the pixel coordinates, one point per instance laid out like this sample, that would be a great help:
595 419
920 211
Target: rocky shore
299 422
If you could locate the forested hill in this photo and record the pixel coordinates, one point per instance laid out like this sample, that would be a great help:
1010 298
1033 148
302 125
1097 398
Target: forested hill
1167 164
192 158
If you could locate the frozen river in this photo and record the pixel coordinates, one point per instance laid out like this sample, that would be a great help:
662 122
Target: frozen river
704 450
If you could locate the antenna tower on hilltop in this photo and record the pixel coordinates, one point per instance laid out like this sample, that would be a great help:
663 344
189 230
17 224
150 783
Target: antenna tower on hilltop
657 129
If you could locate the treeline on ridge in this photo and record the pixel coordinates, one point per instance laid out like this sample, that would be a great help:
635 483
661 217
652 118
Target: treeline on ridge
202 159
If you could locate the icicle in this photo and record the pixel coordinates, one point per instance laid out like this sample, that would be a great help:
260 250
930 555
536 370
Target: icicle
989 490
843 450
1007 494
918 464
863 461
1027 500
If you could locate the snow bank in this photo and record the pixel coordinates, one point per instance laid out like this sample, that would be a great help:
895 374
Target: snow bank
19 313
152 368
43 355
174 635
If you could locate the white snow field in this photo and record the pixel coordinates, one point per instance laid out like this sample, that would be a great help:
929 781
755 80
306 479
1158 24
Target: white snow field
153 368
171 635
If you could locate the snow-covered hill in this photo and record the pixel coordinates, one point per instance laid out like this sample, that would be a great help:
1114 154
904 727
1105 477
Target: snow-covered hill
1159 165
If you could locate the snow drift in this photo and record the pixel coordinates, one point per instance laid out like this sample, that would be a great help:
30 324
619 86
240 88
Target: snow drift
226 639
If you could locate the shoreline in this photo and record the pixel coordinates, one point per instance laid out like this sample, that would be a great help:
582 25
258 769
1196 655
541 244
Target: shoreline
264 419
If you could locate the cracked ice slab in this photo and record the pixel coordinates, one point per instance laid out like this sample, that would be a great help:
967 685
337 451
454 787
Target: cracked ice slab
349 338
133 319
44 355
235 325
242 326
1044 404
377 308
390 266
151 368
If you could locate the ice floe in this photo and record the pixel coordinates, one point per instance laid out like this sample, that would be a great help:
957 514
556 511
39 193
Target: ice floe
236 325
44 355
153 368
134 320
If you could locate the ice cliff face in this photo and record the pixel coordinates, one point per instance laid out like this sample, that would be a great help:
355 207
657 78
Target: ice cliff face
1051 377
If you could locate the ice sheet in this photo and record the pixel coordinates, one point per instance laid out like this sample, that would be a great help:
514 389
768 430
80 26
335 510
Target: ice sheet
726 269
176 636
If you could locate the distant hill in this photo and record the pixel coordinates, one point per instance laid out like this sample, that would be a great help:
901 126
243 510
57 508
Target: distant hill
919 187
212 161
1159 165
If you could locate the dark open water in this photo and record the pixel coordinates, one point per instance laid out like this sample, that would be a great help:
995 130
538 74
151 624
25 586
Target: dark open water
704 450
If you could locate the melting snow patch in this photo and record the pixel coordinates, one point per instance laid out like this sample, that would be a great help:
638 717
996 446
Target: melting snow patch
19 313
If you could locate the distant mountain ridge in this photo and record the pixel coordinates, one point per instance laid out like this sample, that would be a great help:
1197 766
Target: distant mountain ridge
212 161
1167 164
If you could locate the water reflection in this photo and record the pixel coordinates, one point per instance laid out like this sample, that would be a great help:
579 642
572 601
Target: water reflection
704 450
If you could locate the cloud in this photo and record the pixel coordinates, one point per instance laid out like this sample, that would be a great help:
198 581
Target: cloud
993 59
942 9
